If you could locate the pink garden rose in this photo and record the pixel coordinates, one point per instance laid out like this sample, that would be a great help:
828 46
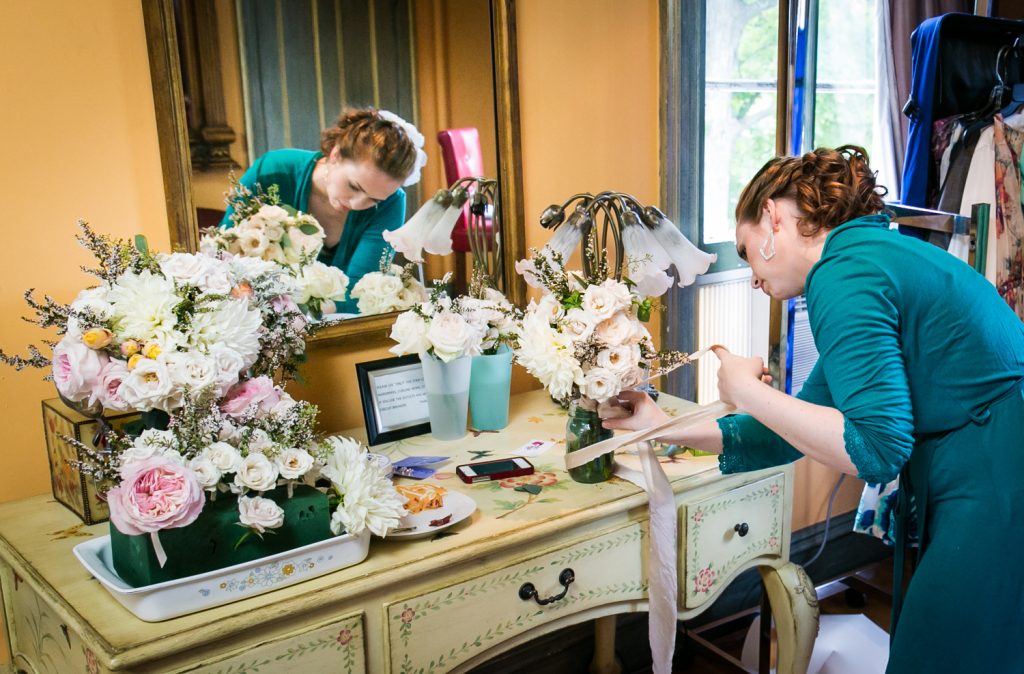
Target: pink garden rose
258 391
76 368
107 383
154 494
285 304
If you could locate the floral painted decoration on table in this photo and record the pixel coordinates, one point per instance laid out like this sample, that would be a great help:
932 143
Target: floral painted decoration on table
263 227
393 288
196 339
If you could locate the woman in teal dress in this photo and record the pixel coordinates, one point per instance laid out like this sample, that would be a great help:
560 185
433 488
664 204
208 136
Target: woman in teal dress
919 374
352 186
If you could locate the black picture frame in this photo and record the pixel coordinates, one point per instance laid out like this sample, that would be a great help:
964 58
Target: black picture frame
377 431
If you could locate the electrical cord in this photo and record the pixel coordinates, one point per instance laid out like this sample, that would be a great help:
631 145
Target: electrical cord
828 521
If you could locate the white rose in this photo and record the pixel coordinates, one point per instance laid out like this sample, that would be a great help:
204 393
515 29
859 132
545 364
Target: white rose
615 330
302 244
619 359
90 300
150 385
207 473
259 441
259 513
227 364
191 369
390 286
600 384
293 463
410 295
136 453
450 336
319 281
223 456
631 378
252 241
256 472
174 456
283 406
600 302
410 331
620 292
550 308
202 271
578 324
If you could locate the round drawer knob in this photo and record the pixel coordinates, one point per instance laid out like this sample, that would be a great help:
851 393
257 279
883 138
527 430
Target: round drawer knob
742 529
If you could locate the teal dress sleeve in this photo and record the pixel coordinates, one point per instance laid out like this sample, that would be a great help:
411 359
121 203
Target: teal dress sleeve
747 444
855 322
853 305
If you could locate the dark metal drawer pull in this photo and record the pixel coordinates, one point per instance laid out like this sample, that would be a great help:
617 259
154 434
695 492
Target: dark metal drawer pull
742 529
528 591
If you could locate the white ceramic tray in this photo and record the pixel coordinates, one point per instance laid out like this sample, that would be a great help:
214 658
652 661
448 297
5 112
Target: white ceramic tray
173 598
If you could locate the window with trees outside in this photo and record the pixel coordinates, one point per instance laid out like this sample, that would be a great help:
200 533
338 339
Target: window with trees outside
740 84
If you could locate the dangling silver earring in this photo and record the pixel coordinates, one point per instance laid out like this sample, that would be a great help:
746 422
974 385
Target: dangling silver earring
767 248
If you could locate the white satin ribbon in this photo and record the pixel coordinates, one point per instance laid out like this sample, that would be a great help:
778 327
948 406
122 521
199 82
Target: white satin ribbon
662 579
158 548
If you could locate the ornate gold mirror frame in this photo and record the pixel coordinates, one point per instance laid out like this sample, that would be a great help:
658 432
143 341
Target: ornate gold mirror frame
175 161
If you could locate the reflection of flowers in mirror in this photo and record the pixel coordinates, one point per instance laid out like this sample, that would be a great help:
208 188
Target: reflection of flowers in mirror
264 228
393 288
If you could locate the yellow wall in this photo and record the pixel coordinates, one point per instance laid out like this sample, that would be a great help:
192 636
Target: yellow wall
78 133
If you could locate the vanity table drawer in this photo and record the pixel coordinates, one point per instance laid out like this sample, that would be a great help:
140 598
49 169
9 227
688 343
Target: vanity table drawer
724 531
436 631
337 647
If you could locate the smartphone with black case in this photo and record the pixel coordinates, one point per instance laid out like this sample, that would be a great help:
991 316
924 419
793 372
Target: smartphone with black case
498 469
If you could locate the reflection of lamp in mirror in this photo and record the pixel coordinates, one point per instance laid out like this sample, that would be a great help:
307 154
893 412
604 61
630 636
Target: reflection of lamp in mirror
430 228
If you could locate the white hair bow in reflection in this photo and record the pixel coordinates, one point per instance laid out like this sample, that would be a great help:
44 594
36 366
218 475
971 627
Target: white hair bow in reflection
417 140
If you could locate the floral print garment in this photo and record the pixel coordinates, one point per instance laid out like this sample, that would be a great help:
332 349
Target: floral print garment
1009 215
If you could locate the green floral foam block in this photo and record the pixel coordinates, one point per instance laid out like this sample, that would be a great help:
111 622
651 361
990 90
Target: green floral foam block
209 542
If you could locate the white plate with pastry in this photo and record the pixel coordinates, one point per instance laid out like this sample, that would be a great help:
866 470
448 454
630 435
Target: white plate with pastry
455 507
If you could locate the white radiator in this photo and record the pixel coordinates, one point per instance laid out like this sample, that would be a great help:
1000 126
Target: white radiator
733 315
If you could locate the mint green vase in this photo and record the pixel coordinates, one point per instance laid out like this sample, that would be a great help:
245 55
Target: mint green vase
489 386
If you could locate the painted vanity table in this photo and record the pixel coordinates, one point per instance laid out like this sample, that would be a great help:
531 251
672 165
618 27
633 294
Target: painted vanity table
443 603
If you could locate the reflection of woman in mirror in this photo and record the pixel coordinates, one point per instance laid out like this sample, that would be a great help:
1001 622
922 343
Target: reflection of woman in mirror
353 186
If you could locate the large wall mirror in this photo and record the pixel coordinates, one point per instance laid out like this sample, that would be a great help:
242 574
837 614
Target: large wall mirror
235 78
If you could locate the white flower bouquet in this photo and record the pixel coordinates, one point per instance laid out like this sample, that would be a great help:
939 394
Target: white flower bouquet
584 339
393 288
439 327
264 228
194 341
160 325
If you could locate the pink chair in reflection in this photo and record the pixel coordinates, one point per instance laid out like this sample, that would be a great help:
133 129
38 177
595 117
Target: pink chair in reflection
460 151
